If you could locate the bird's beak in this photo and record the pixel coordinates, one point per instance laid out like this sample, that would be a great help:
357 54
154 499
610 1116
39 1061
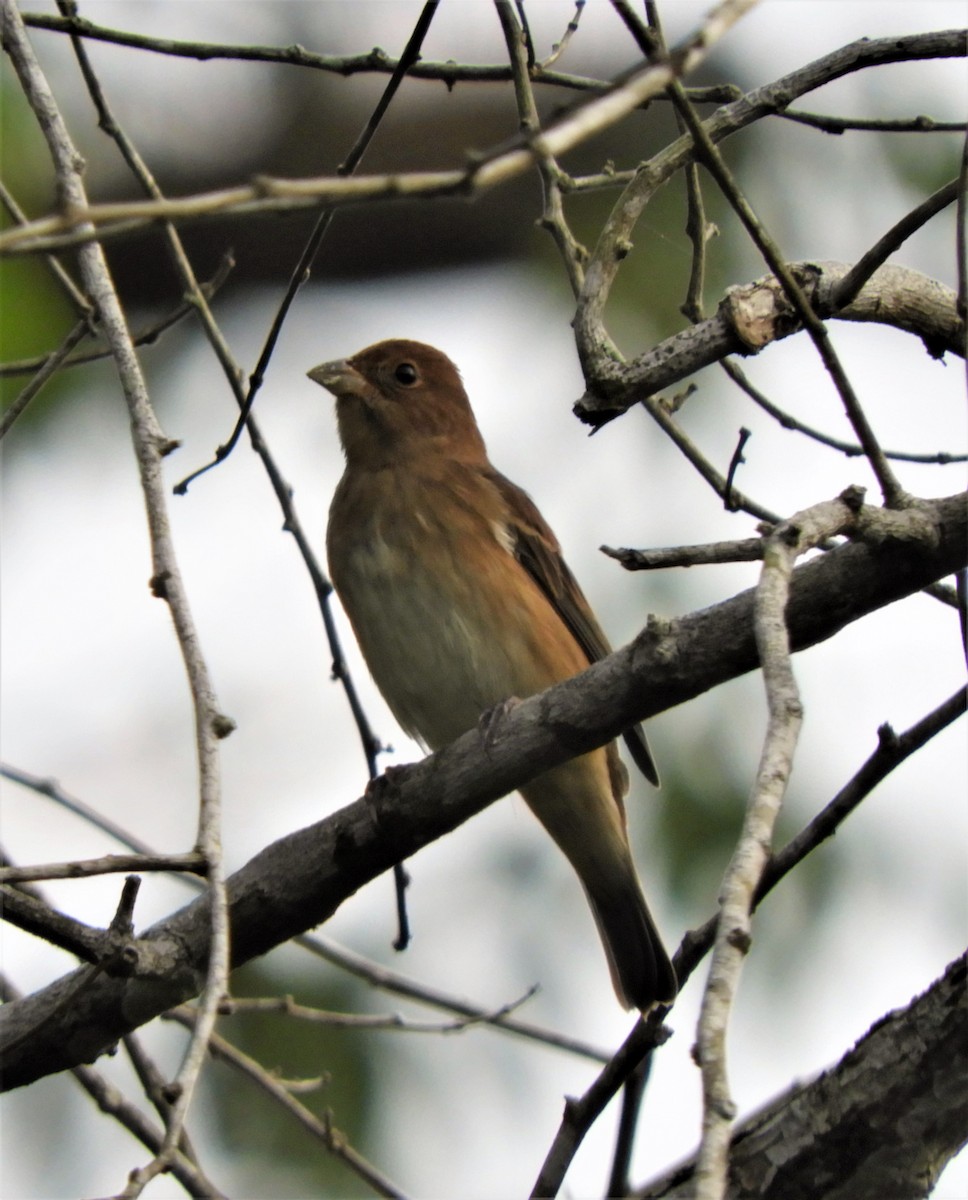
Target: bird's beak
338 377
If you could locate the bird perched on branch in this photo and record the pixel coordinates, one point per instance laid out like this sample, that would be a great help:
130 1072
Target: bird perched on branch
459 597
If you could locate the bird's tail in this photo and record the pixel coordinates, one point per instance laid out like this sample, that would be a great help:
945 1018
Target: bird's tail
642 974
577 805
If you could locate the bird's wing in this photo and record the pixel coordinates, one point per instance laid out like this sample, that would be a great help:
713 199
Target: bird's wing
537 550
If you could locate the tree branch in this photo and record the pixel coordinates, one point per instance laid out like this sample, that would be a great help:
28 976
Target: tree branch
752 316
834 1137
150 445
300 880
374 62
595 350
646 1035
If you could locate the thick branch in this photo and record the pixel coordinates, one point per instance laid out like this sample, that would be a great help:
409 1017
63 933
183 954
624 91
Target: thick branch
753 316
303 878
883 1122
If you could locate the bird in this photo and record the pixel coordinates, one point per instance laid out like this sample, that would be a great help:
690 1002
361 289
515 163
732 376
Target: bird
461 602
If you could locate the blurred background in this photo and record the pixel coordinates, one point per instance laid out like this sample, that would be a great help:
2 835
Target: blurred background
93 692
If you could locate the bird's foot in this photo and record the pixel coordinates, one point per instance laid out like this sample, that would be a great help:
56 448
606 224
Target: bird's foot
383 785
489 722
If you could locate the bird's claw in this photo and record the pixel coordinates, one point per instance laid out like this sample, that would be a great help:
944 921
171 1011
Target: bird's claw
489 722
380 786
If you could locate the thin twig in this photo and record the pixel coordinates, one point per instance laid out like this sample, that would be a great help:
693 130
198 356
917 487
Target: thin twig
558 49
49 367
146 336
285 1005
374 62
112 1102
362 968
940 458
45 786
633 1093
735 462
155 1087
848 287
83 223
838 125
400 985
782 548
150 445
582 1113
527 40
652 43
322 1130
108 864
894 495
744 550
892 749
738 500
573 254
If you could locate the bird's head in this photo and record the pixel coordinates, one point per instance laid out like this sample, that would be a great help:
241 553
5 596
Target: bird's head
399 398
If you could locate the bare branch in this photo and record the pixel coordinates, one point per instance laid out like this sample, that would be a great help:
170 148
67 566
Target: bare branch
615 241
781 548
150 445
582 1113
322 1130
376 61
372 973
941 458
397 984
112 1102
896 236
746 550
155 1087
752 316
146 336
82 223
47 369
558 49
109 864
907 1057
287 1006
839 125
795 296
573 254
300 880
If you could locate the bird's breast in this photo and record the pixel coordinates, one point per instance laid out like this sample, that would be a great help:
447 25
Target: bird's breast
448 621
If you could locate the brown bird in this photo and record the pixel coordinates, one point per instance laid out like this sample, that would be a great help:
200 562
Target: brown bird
460 599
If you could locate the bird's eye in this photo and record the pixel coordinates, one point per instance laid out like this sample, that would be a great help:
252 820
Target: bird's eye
406 373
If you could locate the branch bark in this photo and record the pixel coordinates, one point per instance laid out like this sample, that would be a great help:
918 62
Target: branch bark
752 316
883 1122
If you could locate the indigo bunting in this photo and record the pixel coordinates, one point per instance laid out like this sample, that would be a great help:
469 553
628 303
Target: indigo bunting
460 599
